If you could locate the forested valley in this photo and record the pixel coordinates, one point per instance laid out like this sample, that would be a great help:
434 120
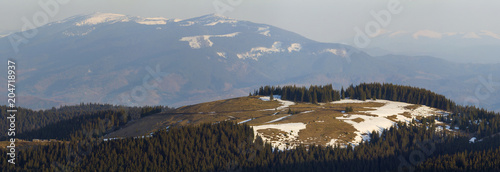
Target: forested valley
227 146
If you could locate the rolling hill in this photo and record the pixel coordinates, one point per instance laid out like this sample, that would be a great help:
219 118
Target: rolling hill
287 124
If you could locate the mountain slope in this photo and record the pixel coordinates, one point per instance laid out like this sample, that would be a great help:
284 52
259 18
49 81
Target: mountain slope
112 58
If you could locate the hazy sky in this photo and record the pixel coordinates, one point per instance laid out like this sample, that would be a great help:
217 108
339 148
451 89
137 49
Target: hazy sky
321 20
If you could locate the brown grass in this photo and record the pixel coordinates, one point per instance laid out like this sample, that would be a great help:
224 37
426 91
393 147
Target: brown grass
393 118
412 107
406 114
358 120
230 105
23 144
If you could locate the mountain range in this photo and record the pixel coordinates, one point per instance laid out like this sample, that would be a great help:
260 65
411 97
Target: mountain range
130 60
463 47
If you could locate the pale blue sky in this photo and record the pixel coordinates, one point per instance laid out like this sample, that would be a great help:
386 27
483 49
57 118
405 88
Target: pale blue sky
321 20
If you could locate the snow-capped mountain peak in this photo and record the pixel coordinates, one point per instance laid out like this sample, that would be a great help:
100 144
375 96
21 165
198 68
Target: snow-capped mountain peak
98 18
212 19
110 18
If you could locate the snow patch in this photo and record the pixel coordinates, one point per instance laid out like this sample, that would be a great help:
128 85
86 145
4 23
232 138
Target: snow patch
472 140
78 33
187 23
292 130
332 142
264 31
338 52
152 21
221 21
294 47
256 52
221 54
284 103
366 126
196 42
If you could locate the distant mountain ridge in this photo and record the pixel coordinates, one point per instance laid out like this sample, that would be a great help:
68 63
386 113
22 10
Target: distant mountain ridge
120 59
464 47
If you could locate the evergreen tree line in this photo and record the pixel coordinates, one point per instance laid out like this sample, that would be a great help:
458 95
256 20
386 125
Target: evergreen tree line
313 94
408 94
227 146
61 123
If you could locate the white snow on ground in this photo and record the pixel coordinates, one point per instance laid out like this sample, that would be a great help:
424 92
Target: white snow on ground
78 33
337 52
245 121
284 103
294 47
367 126
187 23
439 128
309 111
264 31
472 140
256 52
222 19
196 42
278 119
332 142
350 101
103 18
152 21
381 122
221 54
292 130
394 108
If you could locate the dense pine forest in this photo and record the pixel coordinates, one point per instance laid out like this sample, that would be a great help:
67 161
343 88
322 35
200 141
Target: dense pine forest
71 121
230 147
226 146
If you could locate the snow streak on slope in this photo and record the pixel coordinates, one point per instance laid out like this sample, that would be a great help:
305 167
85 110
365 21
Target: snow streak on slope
196 42
279 119
284 103
245 121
